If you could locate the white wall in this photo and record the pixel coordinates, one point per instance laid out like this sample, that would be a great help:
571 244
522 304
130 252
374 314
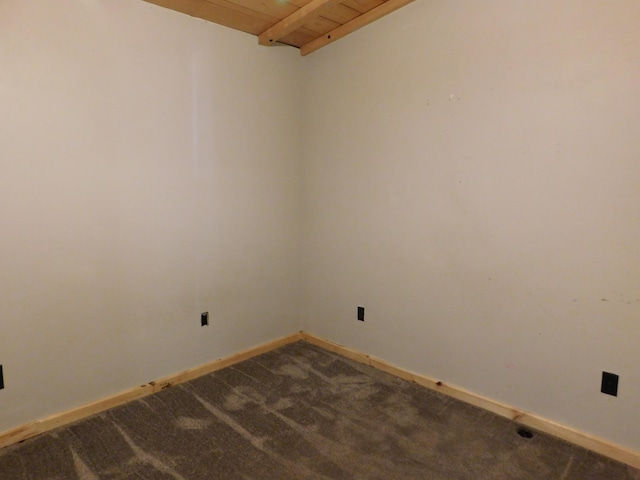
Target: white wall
472 178
149 171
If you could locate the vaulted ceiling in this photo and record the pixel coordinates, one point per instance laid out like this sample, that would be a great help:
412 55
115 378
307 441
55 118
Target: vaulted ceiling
304 24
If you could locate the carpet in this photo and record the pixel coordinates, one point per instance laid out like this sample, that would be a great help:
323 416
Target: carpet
300 412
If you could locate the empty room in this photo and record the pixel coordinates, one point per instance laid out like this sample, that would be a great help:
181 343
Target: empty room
311 239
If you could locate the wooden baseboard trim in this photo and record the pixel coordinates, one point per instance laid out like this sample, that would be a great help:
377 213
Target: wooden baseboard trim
37 427
593 443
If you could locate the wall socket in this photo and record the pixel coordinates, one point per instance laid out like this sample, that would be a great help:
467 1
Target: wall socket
609 383
204 319
361 314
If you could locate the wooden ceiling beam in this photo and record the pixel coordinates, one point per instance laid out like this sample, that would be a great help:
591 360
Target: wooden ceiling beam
358 22
294 21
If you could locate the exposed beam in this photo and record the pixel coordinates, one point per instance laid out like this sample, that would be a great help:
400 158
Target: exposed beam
292 22
358 22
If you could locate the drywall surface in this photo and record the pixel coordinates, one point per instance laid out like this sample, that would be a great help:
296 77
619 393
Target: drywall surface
149 171
472 179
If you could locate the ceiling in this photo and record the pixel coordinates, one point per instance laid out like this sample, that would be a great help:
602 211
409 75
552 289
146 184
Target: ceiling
304 24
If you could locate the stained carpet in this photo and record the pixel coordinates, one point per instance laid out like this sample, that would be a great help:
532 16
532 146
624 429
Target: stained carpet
300 412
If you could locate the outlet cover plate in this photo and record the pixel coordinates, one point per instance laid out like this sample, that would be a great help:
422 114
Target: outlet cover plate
609 384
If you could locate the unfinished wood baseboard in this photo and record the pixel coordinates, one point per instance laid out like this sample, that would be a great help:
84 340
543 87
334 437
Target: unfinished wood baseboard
598 445
24 432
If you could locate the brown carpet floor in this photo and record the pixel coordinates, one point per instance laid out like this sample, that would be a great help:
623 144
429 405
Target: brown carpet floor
300 412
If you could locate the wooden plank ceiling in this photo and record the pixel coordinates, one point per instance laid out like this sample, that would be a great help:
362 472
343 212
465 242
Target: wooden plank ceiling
305 24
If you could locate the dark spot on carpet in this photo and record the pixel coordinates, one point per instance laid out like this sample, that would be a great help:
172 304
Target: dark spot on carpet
524 433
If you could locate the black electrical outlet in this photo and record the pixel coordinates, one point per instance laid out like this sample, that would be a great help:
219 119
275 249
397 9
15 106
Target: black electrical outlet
609 384
361 314
204 319
1 378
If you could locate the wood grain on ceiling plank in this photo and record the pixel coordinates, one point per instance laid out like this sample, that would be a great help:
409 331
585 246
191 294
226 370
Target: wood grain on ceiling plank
306 24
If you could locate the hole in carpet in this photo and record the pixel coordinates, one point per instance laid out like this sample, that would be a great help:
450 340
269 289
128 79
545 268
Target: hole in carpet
524 433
